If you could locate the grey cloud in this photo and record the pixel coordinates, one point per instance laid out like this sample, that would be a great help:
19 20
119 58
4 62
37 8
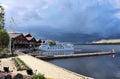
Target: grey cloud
85 20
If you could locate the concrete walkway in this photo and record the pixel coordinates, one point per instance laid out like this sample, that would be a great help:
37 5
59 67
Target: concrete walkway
50 70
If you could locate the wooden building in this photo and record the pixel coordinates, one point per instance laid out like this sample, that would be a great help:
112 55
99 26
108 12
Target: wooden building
28 35
33 41
19 40
38 42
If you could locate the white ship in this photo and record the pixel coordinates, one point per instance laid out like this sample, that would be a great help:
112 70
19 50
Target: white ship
57 47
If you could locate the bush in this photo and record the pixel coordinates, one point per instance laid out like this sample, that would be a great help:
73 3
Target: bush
4 38
5 51
18 76
38 76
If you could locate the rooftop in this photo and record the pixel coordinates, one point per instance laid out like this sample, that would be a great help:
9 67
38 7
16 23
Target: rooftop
14 35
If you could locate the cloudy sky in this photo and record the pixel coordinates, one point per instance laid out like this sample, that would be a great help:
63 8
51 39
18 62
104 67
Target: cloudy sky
70 20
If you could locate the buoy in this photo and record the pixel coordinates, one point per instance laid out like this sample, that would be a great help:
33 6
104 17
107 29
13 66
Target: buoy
112 52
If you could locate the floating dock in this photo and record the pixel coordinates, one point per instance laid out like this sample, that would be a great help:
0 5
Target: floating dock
75 55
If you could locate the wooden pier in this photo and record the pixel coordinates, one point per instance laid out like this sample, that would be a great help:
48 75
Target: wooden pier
76 55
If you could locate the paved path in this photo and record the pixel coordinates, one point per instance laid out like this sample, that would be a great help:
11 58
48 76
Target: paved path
50 70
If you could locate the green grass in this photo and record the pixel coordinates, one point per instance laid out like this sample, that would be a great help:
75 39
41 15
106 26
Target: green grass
20 65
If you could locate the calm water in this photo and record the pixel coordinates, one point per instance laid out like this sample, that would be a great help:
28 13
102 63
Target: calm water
98 67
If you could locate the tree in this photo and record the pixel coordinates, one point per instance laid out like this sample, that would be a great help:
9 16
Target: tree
51 42
4 38
2 21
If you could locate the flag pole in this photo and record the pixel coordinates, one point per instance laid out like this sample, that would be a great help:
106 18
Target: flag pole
10 39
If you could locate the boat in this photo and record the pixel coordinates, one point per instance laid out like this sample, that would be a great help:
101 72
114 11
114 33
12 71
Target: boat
57 47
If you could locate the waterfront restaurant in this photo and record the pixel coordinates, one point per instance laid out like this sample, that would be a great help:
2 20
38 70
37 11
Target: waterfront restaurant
38 42
28 35
32 41
20 40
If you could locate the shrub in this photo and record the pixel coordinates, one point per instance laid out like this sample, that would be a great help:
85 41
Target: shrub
4 38
5 51
18 76
38 76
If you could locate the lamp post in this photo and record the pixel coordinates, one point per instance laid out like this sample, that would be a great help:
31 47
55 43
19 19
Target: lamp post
10 48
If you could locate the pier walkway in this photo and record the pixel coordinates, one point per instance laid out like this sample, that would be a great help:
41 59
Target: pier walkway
75 55
50 70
